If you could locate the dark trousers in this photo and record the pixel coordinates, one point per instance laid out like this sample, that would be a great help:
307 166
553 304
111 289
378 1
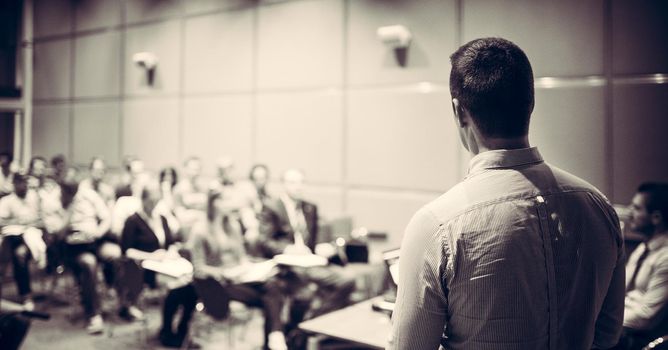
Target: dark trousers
83 262
184 297
20 262
13 329
332 287
266 296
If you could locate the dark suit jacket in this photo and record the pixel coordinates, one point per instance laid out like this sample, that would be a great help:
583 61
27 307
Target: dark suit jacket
276 233
138 234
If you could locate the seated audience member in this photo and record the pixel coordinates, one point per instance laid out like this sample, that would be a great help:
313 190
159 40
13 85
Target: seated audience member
238 199
132 180
190 194
40 180
20 224
95 181
13 326
259 177
168 179
217 248
6 174
289 225
59 168
646 303
82 219
147 235
109 250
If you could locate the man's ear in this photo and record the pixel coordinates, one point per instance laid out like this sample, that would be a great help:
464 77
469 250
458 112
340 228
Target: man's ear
459 112
656 218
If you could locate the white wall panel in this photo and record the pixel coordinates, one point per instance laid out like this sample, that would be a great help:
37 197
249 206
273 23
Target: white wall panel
301 130
97 68
402 137
300 44
96 132
219 126
219 52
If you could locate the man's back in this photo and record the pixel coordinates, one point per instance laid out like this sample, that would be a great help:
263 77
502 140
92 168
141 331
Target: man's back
520 255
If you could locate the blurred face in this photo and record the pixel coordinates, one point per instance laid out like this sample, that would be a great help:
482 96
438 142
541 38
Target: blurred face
168 178
225 172
640 220
293 182
39 168
97 170
193 168
4 162
260 177
136 169
150 201
21 188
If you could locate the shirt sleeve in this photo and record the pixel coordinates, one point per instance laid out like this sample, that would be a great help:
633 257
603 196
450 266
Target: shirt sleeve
419 317
609 320
643 312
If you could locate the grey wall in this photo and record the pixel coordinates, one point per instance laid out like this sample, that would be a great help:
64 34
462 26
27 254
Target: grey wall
306 83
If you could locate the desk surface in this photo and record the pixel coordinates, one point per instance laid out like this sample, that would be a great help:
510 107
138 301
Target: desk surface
357 323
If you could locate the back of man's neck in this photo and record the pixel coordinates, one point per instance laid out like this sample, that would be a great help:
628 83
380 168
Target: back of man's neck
496 143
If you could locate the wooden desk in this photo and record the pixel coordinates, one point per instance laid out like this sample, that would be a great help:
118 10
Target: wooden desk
357 323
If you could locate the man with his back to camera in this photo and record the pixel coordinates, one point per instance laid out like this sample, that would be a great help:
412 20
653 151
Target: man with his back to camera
520 254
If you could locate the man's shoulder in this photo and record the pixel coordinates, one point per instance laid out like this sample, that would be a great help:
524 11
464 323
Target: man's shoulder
447 205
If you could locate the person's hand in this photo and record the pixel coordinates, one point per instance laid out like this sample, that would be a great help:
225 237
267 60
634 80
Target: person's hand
159 255
326 250
295 249
172 253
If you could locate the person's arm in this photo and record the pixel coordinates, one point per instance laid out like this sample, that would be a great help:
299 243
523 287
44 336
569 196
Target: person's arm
420 312
609 320
643 313
103 214
198 254
268 244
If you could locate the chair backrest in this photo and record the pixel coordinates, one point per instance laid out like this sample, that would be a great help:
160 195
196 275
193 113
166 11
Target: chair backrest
214 297
130 279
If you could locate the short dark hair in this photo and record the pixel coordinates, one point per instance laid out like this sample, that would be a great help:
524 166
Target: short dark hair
172 171
493 80
657 197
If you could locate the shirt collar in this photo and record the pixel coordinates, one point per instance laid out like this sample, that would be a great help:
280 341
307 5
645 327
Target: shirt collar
657 241
504 158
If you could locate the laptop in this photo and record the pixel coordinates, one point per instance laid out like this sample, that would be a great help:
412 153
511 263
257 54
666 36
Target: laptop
386 304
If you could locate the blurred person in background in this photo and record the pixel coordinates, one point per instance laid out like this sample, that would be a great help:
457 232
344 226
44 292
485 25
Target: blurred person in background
238 198
147 235
59 168
79 223
168 178
13 326
218 250
259 177
21 228
6 173
190 194
646 303
95 181
289 225
132 179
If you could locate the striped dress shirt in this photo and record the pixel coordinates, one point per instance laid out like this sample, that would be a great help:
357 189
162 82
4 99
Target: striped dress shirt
519 255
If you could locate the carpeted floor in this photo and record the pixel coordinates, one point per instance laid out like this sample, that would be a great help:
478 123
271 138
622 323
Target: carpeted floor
66 328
